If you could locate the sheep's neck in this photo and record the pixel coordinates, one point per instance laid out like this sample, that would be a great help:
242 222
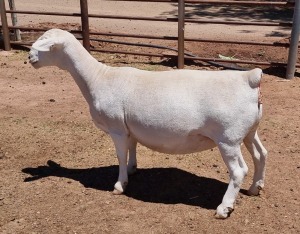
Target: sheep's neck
85 69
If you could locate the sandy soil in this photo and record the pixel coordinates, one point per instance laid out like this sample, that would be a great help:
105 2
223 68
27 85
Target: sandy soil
58 171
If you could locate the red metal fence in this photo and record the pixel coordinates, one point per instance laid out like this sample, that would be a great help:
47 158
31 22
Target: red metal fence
181 19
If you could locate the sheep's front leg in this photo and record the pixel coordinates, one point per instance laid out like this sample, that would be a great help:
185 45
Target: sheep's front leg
132 163
121 144
235 163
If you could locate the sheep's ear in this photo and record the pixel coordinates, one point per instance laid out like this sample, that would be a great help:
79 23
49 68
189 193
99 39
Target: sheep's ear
47 44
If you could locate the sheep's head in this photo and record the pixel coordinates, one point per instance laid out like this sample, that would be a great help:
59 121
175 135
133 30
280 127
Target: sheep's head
48 50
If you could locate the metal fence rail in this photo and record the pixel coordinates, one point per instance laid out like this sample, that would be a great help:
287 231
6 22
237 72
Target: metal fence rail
161 19
224 2
181 20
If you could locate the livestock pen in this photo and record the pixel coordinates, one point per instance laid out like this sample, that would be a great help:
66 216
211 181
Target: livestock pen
58 171
181 18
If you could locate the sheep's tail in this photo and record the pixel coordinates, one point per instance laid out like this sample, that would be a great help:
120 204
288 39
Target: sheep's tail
254 77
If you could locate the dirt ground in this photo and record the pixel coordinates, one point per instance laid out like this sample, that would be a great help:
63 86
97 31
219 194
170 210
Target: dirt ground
58 170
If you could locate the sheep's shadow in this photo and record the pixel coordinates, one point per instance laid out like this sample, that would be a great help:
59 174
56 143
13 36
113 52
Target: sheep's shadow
157 185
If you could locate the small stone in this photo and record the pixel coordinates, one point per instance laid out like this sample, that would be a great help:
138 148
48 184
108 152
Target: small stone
51 100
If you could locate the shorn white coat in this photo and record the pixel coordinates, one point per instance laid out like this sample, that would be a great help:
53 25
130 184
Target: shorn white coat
177 112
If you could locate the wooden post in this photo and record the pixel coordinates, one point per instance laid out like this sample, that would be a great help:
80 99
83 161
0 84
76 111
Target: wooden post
85 24
5 29
181 16
293 50
14 20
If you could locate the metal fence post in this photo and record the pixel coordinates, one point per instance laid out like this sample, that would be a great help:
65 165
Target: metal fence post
14 20
293 50
85 24
5 29
181 16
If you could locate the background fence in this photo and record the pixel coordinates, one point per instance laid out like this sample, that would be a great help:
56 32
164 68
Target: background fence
181 19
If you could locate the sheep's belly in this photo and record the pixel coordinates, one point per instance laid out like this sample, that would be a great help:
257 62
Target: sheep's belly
175 144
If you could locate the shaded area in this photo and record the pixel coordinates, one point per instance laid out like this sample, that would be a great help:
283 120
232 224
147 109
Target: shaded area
240 13
157 185
234 12
276 71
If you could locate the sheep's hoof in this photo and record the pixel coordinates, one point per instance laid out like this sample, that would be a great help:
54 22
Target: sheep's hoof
117 192
255 190
223 213
119 189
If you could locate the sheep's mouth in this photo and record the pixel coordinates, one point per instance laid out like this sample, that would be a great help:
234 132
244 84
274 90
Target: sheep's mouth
33 58
33 61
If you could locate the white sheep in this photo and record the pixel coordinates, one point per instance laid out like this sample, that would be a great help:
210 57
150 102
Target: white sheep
175 112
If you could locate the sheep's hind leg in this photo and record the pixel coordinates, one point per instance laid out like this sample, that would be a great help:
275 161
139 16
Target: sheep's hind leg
234 161
259 155
121 144
132 163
